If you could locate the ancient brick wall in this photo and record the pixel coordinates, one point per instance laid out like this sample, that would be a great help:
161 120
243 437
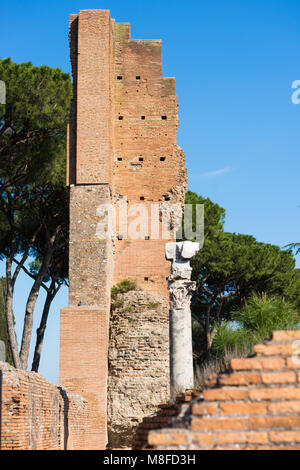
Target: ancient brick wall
256 405
91 57
138 373
121 147
37 415
84 324
148 164
83 364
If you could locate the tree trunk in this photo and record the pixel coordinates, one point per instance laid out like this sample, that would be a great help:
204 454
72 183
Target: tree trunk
207 332
30 305
40 332
10 285
10 316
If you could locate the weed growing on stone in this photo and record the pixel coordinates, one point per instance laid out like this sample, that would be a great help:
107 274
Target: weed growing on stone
124 286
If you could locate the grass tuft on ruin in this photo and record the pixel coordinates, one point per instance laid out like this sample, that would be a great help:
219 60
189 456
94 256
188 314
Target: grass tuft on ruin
124 286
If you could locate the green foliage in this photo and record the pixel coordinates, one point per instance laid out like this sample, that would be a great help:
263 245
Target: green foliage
254 322
117 303
33 122
3 327
239 262
33 196
153 304
215 365
262 314
293 247
33 126
230 338
287 285
124 286
227 270
214 215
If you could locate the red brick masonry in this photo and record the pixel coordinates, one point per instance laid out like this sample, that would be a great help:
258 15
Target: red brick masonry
37 415
122 148
256 405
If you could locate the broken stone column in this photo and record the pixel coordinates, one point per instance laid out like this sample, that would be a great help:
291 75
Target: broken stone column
181 288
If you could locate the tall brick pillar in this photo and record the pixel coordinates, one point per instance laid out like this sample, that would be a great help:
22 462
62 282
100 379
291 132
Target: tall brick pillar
84 323
121 148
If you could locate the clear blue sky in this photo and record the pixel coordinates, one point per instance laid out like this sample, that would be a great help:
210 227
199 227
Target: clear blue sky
234 63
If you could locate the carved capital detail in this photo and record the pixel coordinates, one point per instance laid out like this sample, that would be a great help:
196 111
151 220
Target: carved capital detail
180 293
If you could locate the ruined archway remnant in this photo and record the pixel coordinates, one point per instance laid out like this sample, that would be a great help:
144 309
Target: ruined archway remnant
181 288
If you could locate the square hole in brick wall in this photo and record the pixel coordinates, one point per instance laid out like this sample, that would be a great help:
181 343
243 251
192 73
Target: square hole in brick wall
142 198
147 237
146 278
162 159
138 77
143 117
141 159
164 117
166 198
119 159
120 118
119 77
120 237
